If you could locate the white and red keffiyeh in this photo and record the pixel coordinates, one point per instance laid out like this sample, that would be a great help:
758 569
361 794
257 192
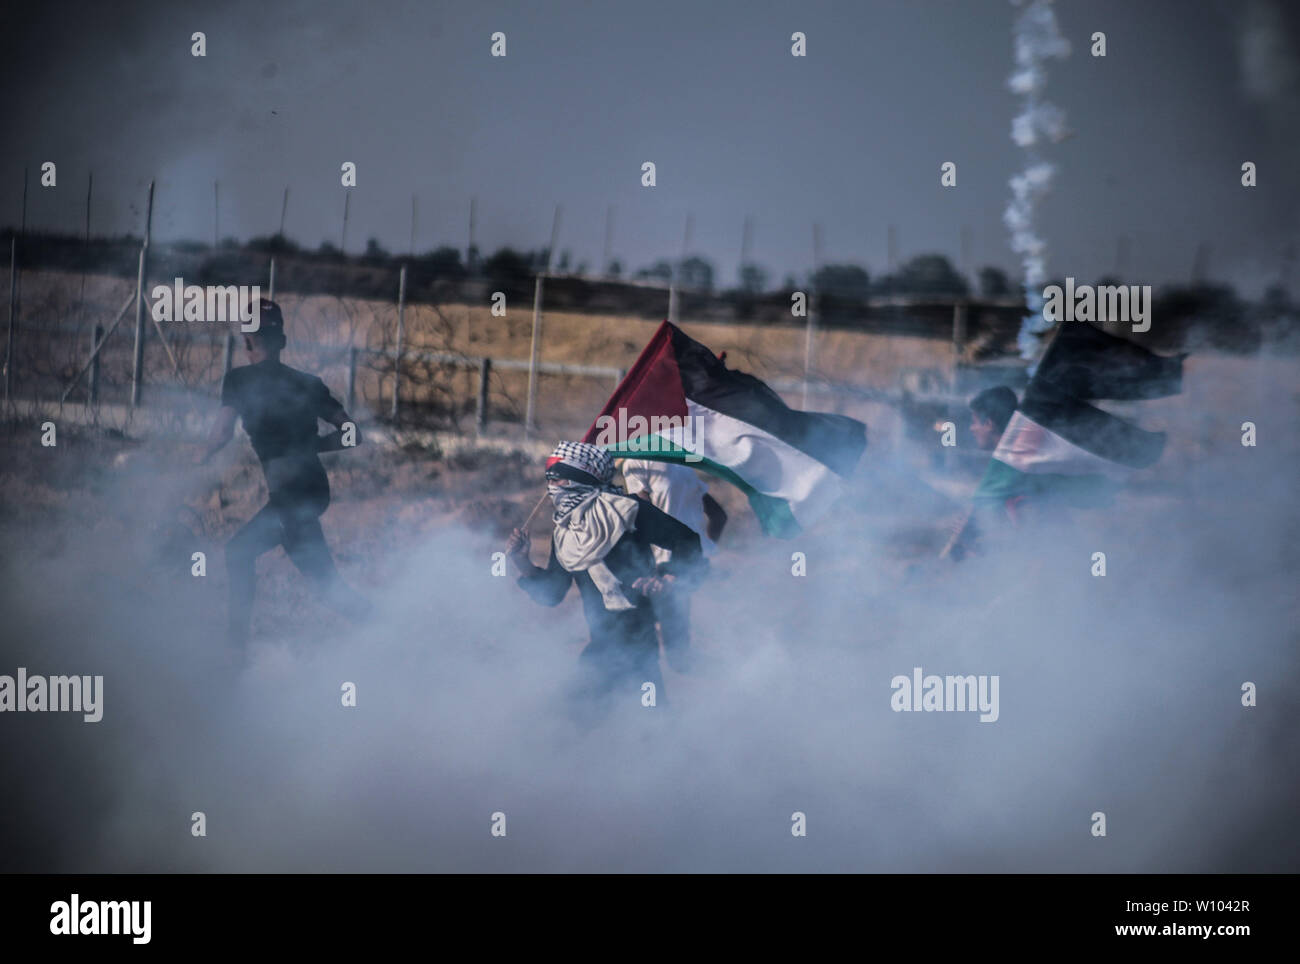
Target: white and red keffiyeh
590 516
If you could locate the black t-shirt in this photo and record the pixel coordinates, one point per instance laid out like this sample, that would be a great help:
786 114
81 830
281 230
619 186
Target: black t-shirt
279 407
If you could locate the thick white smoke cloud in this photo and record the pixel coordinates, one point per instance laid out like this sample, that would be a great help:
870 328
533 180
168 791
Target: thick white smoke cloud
1118 694
1037 40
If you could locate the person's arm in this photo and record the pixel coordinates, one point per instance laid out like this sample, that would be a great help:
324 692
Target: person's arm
333 442
687 566
329 409
546 586
716 516
222 431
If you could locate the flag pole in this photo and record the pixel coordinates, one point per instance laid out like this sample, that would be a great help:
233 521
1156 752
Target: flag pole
958 532
534 512
524 528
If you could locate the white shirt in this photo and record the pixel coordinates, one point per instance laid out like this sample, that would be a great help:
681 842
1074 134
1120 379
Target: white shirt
675 489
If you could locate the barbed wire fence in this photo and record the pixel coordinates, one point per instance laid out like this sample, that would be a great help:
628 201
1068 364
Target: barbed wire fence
74 344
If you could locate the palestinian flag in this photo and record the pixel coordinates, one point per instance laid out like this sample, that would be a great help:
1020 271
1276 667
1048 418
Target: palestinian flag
1086 362
1056 444
680 403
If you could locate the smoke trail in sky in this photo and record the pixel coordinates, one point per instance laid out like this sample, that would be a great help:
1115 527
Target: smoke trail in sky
1037 40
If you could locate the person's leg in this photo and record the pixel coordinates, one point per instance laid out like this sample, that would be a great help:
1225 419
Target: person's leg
613 669
304 541
587 696
260 534
617 666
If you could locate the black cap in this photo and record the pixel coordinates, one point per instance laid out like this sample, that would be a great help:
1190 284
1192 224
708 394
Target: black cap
270 324
270 316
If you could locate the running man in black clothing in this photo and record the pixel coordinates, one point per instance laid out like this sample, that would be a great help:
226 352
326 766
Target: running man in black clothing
603 542
279 407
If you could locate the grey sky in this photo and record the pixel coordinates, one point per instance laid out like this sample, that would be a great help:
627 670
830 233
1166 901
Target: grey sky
851 136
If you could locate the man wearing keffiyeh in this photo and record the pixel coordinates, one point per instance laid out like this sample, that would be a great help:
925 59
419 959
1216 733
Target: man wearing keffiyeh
603 541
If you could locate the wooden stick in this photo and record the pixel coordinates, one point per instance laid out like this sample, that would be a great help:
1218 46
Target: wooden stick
957 533
545 496
524 528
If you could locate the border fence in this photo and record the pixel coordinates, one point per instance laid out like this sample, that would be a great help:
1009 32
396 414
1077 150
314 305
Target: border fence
397 366
405 369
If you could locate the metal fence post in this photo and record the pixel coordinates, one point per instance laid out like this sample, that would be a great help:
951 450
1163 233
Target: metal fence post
401 334
137 363
352 379
92 397
481 408
530 411
137 366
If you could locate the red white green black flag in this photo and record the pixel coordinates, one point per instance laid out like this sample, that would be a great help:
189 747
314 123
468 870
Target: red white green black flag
680 403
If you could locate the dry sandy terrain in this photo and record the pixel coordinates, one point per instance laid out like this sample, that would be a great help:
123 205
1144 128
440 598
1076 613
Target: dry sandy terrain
565 403
1119 693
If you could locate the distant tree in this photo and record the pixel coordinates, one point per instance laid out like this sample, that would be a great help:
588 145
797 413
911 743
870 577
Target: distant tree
328 251
442 262
272 244
562 267
994 283
753 279
930 274
697 274
661 270
507 264
614 269
375 251
842 283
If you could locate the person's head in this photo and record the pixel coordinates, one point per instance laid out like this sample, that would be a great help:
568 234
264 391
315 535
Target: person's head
578 466
268 341
990 411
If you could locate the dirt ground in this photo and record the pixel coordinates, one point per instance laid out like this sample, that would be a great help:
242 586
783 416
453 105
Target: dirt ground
1122 689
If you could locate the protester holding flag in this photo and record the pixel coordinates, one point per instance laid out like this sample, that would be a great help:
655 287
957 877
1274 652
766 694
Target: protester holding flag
678 491
1057 449
602 542
678 403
